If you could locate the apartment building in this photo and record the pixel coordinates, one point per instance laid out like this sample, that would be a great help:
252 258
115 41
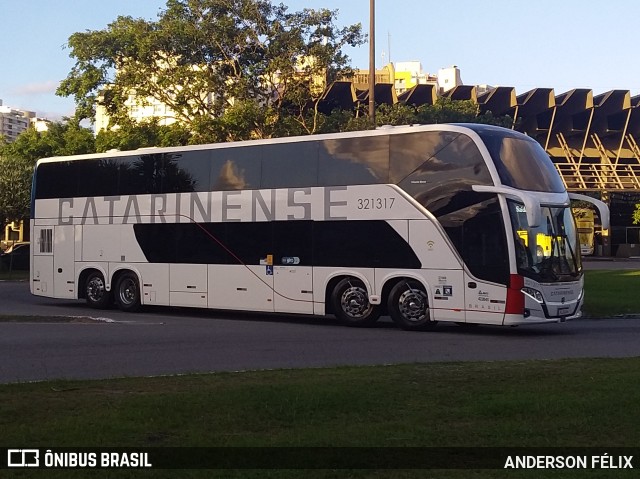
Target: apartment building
13 121
405 75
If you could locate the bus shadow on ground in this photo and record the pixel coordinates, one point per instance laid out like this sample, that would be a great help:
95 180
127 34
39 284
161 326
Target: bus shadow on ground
385 323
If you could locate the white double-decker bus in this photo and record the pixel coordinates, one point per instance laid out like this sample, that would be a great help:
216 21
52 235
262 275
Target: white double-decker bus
423 223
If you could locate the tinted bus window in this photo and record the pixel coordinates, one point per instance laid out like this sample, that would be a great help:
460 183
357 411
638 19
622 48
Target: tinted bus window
361 244
186 171
236 168
354 161
477 231
97 178
133 173
53 181
250 242
451 170
521 162
410 151
290 165
58 180
293 243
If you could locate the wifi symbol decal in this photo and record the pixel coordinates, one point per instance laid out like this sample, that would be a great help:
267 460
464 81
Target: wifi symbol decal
430 245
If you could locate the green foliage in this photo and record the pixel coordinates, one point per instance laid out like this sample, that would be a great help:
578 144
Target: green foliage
204 57
18 159
398 114
15 187
443 111
636 215
131 136
446 110
61 139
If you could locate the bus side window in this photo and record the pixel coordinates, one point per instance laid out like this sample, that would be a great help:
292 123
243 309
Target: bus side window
236 168
478 233
290 165
354 161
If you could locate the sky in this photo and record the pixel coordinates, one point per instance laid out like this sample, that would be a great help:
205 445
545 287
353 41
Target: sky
561 44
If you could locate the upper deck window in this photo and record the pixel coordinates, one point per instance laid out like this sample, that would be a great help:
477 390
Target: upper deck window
521 162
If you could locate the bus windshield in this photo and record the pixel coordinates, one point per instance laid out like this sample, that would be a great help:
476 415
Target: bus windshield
522 163
550 252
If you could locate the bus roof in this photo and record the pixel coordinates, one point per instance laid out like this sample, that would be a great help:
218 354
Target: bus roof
381 131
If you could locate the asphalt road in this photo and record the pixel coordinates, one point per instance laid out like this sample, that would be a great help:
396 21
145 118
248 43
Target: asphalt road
172 341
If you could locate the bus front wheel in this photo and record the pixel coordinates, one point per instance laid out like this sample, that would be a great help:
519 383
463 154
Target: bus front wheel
408 306
351 304
128 293
96 292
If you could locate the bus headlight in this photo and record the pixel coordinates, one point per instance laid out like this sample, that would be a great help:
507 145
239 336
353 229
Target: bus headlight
533 294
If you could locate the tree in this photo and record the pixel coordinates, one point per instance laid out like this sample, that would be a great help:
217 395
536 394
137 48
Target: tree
202 56
443 111
131 135
18 159
446 110
15 188
636 215
61 139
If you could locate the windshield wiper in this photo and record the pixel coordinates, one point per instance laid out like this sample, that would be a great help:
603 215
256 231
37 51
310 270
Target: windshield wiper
574 259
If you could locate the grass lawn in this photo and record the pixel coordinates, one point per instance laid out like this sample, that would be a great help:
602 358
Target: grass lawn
610 293
564 403
13 275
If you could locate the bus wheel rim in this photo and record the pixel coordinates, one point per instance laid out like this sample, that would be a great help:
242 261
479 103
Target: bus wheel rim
412 305
354 302
95 289
128 291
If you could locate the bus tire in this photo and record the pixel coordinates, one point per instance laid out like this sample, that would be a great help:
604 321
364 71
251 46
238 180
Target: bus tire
128 293
408 306
96 292
351 305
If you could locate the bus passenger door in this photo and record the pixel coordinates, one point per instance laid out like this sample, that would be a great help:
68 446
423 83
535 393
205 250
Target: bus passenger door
64 270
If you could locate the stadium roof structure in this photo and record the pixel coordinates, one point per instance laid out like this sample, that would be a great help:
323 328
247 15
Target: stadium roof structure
592 140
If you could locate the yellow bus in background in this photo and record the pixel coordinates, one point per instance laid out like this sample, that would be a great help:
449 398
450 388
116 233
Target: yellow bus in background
543 243
585 223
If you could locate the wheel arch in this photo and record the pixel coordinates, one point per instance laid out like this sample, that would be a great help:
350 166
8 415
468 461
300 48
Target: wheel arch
121 271
389 281
332 280
129 304
84 274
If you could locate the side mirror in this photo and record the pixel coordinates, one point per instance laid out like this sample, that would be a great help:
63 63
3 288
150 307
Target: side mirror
603 209
531 203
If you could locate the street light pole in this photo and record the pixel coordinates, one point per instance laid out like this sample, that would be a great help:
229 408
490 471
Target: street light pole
372 61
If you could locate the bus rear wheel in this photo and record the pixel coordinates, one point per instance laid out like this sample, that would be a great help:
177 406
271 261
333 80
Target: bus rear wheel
351 304
408 306
128 293
96 292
